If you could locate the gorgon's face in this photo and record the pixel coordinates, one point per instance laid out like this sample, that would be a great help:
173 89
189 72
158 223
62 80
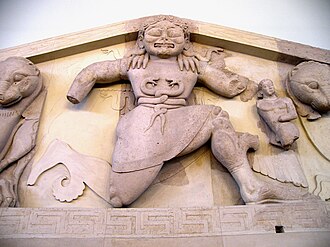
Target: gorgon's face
164 39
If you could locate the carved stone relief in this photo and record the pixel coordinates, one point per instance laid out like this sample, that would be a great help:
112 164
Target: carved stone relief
163 68
80 167
59 169
309 87
170 129
21 100
166 138
277 113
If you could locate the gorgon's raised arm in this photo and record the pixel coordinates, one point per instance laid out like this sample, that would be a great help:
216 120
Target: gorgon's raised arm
222 81
100 72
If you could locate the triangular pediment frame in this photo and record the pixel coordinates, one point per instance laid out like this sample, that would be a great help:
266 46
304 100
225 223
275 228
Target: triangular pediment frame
305 223
203 33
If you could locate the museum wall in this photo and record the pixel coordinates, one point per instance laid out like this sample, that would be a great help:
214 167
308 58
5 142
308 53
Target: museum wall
305 22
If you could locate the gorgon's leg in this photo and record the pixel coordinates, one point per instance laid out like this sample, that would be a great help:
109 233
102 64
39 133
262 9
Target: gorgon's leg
126 187
8 185
230 148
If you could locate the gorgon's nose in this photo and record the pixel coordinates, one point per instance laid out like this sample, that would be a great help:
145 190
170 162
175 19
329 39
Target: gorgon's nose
164 36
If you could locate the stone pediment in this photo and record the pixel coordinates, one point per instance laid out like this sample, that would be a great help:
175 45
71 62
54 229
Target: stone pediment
204 33
196 194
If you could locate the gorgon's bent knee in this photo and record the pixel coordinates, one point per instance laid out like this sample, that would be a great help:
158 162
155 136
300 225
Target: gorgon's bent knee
221 121
126 187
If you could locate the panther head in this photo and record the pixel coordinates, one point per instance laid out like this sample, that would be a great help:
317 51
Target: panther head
309 83
19 78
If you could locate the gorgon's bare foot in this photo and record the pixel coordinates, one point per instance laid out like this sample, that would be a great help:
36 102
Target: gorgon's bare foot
275 193
7 193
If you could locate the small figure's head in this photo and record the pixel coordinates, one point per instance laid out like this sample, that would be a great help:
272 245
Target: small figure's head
19 78
309 82
165 37
265 88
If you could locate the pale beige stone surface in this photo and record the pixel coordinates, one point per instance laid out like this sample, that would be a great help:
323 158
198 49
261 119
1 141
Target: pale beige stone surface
308 85
90 129
304 224
189 178
22 96
305 239
275 114
97 117
180 207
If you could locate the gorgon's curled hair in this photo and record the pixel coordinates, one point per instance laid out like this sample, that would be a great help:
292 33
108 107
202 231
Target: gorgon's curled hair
188 59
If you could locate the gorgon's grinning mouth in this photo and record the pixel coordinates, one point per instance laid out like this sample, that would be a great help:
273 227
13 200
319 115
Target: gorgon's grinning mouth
167 45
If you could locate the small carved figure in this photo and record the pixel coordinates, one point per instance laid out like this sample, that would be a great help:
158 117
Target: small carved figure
163 70
308 85
276 113
21 101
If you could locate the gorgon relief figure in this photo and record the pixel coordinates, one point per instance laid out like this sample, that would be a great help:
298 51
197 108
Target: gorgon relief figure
21 100
163 71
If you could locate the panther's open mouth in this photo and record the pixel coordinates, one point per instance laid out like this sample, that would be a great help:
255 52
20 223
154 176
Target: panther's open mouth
6 103
167 45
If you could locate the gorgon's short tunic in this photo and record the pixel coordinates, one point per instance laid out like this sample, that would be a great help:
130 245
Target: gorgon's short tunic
148 137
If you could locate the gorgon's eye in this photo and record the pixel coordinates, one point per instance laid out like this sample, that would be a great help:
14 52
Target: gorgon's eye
174 33
313 85
18 77
154 32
